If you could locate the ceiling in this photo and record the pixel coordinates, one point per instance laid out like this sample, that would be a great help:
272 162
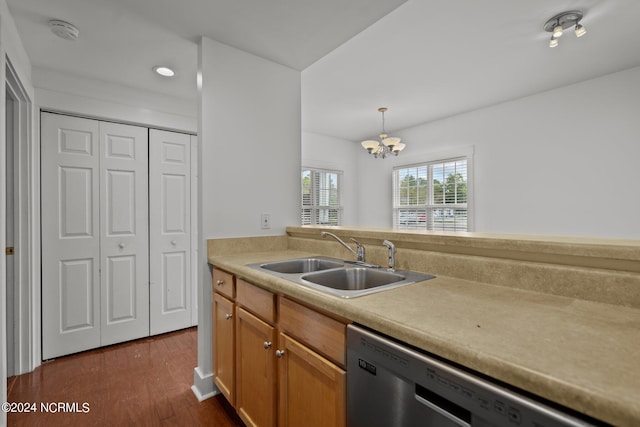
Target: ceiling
423 59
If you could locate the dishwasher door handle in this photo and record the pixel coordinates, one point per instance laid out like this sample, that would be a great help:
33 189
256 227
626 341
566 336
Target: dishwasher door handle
443 412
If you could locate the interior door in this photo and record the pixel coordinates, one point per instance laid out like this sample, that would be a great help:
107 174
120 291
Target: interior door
70 235
124 232
170 231
95 234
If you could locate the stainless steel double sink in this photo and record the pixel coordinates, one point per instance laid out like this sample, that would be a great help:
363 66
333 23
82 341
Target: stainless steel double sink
345 279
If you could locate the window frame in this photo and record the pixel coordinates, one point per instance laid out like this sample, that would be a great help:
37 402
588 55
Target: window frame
315 209
419 216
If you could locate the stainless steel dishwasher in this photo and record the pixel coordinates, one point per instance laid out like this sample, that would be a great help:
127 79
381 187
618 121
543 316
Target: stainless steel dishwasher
390 384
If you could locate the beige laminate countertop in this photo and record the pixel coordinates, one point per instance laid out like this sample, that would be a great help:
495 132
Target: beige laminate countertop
580 354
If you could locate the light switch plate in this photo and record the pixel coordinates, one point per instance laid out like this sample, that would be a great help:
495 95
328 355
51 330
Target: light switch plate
265 221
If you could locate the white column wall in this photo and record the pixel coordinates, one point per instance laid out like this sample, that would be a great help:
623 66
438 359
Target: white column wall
249 128
563 162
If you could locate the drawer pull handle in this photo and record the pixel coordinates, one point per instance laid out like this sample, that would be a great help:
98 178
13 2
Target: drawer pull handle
266 345
220 282
228 316
279 354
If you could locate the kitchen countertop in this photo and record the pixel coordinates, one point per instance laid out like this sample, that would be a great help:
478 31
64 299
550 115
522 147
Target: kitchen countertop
583 355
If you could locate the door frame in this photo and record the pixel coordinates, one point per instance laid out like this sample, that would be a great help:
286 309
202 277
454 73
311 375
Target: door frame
26 259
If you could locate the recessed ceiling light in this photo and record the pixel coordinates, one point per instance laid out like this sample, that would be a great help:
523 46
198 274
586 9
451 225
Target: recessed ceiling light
164 71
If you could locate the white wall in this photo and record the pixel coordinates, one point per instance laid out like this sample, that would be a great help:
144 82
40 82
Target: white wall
103 100
562 162
249 128
326 152
10 47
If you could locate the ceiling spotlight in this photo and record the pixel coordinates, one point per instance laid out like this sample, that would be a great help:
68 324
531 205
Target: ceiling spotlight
557 24
557 31
164 71
64 29
580 30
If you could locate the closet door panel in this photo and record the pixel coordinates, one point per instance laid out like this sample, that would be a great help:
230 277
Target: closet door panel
170 231
124 235
70 235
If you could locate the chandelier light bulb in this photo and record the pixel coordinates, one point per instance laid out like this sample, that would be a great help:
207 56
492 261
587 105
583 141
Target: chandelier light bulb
391 142
398 148
553 42
580 30
370 145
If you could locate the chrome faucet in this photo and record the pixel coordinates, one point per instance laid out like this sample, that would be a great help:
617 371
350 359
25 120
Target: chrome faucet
392 255
360 254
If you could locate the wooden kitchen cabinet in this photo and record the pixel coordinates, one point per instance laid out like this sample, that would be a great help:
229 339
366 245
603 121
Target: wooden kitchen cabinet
323 333
255 370
312 390
224 283
224 346
279 362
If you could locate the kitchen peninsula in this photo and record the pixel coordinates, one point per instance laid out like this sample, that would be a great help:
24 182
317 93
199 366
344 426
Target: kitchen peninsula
556 317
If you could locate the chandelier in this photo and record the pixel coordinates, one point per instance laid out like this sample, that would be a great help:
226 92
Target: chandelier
386 145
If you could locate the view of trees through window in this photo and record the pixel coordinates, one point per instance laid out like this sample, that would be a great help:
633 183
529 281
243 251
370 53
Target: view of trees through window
431 196
321 202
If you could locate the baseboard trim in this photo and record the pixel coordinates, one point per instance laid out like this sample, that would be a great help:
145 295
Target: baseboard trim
203 386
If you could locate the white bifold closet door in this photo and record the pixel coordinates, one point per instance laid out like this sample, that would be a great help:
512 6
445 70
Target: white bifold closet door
170 231
95 253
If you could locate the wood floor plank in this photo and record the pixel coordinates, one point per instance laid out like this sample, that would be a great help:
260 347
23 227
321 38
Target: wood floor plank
146 382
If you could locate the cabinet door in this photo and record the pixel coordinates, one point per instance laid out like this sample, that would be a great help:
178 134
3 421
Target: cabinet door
312 390
255 371
223 346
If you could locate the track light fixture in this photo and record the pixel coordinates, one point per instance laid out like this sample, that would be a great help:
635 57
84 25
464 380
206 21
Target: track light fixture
557 24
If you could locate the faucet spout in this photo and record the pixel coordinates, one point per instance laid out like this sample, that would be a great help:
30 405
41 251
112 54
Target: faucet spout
359 255
392 255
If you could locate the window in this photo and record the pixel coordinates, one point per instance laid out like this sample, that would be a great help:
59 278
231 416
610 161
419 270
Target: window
431 196
321 203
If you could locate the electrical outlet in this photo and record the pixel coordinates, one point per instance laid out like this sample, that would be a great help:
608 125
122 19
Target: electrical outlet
265 221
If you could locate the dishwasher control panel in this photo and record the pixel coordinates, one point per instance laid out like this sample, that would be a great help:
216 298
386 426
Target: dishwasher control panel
420 390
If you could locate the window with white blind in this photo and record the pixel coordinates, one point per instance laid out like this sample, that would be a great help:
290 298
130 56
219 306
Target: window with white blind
321 201
431 196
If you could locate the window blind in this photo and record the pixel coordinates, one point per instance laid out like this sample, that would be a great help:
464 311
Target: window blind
431 196
321 197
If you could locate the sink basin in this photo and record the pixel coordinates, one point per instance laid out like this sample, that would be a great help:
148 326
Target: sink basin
340 278
353 279
301 265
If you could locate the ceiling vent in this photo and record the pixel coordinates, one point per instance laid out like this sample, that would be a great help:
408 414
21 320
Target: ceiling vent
64 29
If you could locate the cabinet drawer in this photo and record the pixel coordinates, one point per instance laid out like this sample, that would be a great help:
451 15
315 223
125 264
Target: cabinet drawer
223 283
256 300
320 332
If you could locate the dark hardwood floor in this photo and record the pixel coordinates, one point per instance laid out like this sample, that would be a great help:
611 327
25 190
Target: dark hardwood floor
140 383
